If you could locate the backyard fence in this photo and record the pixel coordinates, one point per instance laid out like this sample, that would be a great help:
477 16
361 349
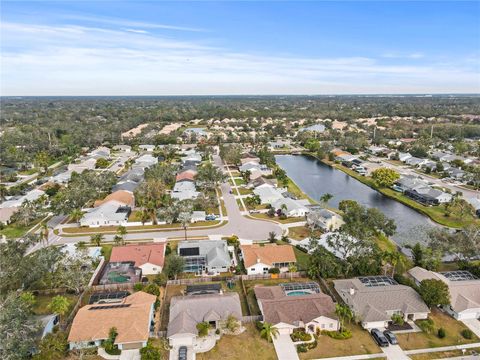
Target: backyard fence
112 287
197 280
289 275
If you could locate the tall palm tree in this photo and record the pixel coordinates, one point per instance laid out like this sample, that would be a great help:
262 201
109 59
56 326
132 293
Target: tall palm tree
121 232
184 218
76 215
269 332
291 269
44 232
344 313
96 239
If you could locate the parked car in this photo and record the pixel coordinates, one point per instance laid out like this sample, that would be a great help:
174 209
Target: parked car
392 339
182 353
210 217
379 338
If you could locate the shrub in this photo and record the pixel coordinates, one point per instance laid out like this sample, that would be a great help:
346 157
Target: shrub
217 331
441 333
152 289
398 319
302 348
338 335
259 325
138 287
426 325
467 334
274 270
301 248
300 336
312 345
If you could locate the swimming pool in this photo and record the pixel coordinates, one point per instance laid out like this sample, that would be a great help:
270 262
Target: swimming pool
298 293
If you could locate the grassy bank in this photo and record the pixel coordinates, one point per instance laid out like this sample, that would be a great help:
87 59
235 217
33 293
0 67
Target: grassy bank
436 213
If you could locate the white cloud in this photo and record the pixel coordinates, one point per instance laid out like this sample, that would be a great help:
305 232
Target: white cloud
82 60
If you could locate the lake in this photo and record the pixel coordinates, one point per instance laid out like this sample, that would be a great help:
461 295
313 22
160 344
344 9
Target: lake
315 179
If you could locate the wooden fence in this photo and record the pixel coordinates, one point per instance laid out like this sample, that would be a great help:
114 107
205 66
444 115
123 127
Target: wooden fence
198 280
252 318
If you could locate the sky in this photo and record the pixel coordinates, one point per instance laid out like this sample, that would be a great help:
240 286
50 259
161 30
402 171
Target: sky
236 48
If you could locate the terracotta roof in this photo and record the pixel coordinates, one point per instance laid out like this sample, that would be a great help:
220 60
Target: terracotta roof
267 254
122 196
132 321
277 307
186 175
140 254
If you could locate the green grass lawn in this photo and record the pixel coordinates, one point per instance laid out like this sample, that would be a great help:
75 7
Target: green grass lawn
303 259
107 251
14 231
248 345
423 340
360 343
245 191
42 302
298 232
239 182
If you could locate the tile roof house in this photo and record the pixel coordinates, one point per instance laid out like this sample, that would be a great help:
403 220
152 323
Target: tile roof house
258 259
464 291
123 197
185 176
187 311
375 299
205 256
132 317
149 257
310 311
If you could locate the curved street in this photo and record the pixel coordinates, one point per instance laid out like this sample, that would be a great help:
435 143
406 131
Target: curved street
237 224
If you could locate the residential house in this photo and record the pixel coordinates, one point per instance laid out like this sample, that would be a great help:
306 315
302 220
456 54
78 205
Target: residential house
149 257
111 213
268 195
260 182
414 161
87 164
124 148
121 196
375 299
409 182
146 161
259 258
279 144
192 158
248 157
188 311
184 190
290 207
464 291
128 185
148 148
185 176
205 256
291 306
324 219
198 216
404 156
135 174
132 318
428 196
319 128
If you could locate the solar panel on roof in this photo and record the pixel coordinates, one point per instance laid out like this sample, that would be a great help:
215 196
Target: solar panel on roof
373 281
193 251
105 307
301 286
459 275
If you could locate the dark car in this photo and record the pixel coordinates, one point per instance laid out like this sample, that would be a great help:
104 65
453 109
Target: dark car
182 353
379 338
210 217
390 337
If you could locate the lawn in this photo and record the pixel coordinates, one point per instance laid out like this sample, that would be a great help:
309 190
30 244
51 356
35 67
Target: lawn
42 302
298 232
359 344
107 251
245 191
436 213
443 354
248 345
303 259
14 231
172 290
277 219
423 340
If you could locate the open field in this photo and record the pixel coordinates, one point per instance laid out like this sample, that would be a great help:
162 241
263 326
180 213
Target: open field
423 340
248 345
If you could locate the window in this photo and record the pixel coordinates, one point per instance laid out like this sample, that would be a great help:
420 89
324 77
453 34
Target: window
331 325
252 269
265 269
322 326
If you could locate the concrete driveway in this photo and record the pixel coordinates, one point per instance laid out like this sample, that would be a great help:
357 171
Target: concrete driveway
284 347
394 352
474 325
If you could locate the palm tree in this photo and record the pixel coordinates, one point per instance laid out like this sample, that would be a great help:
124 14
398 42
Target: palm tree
59 305
44 232
325 198
76 215
344 313
184 218
122 231
144 216
291 269
117 240
272 237
96 239
269 332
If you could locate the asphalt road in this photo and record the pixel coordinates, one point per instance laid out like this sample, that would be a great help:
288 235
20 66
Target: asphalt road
239 225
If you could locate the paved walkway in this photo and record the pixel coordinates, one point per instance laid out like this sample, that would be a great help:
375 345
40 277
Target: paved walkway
394 352
130 355
474 325
357 357
284 347
444 348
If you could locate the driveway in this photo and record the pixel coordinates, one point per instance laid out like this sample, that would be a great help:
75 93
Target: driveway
239 225
130 355
284 347
394 352
474 325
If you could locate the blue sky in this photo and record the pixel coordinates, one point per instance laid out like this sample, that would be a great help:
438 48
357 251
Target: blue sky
197 48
